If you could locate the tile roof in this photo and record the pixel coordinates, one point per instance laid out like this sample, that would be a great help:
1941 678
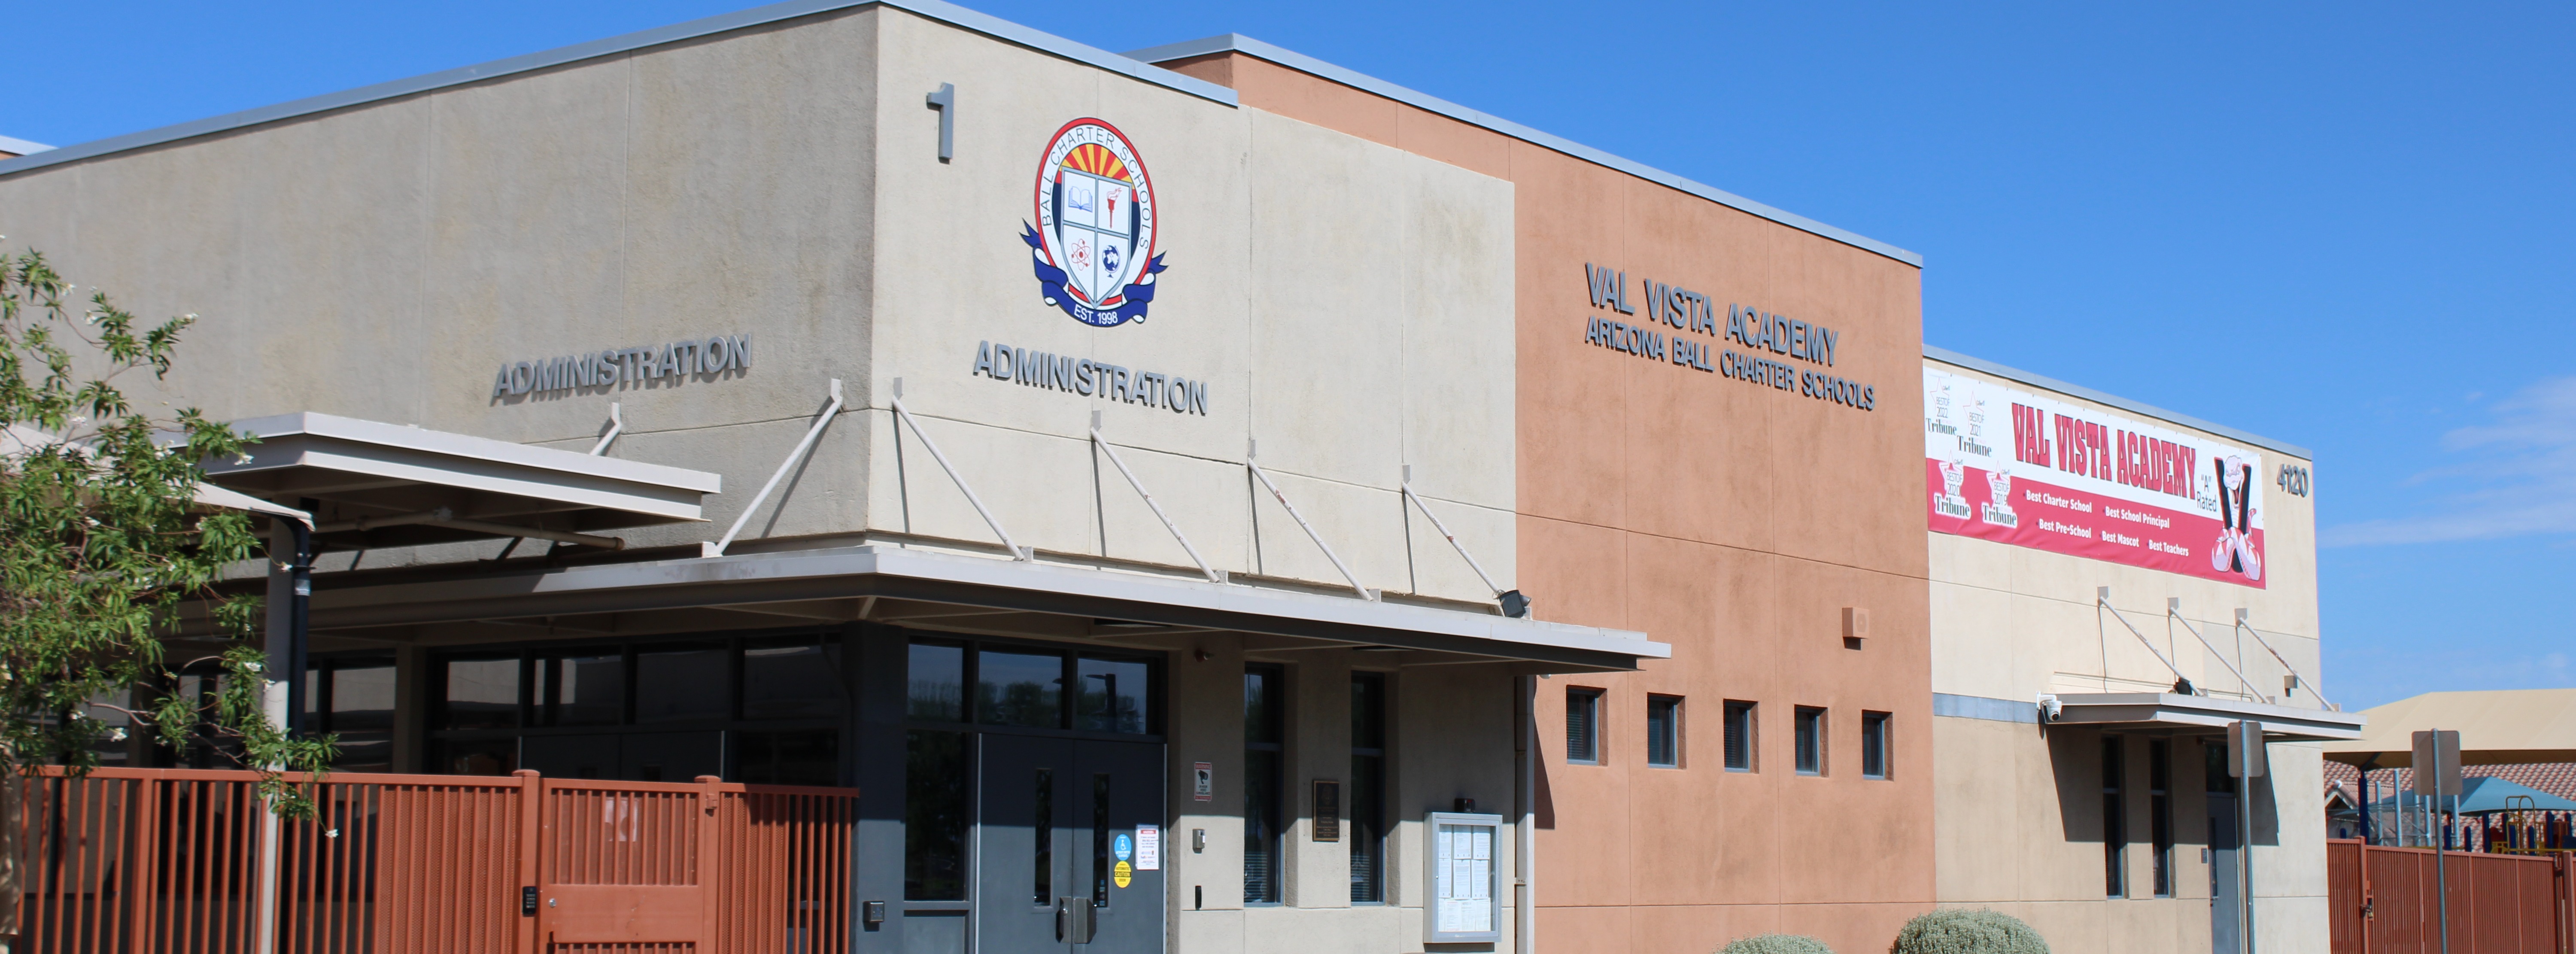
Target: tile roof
2556 778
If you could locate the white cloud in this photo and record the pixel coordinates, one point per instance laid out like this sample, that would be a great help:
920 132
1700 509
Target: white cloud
2514 476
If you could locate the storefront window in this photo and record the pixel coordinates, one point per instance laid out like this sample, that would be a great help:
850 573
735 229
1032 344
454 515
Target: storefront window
934 816
937 683
793 678
1019 689
763 708
354 699
680 684
481 694
2115 832
2160 812
1114 696
581 689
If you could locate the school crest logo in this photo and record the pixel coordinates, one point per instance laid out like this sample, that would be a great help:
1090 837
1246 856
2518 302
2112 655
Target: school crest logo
1093 245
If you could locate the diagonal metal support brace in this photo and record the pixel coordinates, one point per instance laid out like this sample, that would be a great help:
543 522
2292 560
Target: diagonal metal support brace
2248 627
803 447
1214 575
904 414
1446 535
2173 611
616 426
2102 601
1251 449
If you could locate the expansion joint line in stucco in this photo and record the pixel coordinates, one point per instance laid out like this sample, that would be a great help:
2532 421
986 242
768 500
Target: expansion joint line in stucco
1694 541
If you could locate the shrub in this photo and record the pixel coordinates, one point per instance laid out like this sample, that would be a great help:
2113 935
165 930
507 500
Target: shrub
1958 931
1775 944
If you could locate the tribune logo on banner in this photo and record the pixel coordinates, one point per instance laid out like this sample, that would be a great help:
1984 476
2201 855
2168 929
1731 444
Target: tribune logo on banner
1093 245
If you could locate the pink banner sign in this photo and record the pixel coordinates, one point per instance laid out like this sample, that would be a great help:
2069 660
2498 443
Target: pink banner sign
2038 471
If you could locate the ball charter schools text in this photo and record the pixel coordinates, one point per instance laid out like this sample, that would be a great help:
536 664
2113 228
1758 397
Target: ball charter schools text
1681 308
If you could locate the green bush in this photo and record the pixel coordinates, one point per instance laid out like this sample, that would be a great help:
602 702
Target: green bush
1775 944
1957 931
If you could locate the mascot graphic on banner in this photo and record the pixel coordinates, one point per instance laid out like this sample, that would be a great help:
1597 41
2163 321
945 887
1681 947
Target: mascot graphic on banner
1093 245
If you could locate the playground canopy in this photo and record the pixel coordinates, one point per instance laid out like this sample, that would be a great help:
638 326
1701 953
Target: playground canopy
2497 727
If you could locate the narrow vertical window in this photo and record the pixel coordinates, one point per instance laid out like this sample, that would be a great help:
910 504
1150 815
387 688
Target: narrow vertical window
1583 726
2115 834
1366 799
1664 731
1811 740
1100 861
1739 736
1262 714
1044 828
934 816
1873 745
2160 829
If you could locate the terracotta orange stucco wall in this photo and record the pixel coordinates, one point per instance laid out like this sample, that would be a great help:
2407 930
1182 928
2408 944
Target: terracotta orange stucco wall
1731 520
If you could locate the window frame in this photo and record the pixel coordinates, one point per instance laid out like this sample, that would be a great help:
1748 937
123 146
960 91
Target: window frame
2115 820
1876 745
1810 730
1743 722
1273 749
1371 838
1670 730
1592 699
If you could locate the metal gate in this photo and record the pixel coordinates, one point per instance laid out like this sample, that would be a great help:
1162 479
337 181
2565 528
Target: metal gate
2384 901
144 860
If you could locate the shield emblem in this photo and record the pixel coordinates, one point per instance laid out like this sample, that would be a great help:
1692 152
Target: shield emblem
1095 211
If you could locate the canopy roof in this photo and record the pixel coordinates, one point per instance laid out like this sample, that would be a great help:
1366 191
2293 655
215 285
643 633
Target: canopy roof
2497 727
381 485
2485 793
2173 714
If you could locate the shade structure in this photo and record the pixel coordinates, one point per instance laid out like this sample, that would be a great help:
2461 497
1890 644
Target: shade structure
2482 794
2497 727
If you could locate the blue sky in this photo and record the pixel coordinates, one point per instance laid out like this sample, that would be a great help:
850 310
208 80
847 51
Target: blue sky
2344 226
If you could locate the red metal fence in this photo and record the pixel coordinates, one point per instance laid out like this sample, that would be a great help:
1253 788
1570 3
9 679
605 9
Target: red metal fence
149 860
2383 901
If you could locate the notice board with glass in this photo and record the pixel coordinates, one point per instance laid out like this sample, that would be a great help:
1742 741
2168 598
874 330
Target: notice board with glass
1463 878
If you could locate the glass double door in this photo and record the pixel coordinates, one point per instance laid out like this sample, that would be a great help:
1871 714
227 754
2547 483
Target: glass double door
1066 830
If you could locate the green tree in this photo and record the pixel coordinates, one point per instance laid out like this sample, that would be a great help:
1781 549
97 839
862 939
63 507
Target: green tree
101 543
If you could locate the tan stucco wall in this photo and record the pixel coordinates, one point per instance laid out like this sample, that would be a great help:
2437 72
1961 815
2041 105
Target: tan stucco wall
2018 808
1732 521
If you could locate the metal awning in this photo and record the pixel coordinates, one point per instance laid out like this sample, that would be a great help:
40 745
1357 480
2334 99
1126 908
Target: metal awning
2197 715
386 485
1048 600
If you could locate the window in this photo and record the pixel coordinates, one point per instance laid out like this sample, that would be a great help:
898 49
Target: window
354 699
798 677
672 684
765 707
1365 801
935 803
1664 731
582 688
2160 812
2115 834
1019 689
1263 688
1873 745
1583 726
1739 736
1113 695
1811 740
936 683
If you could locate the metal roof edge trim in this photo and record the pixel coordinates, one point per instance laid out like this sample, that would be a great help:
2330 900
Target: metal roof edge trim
939 10
1947 356
1238 43
449 443
21 146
